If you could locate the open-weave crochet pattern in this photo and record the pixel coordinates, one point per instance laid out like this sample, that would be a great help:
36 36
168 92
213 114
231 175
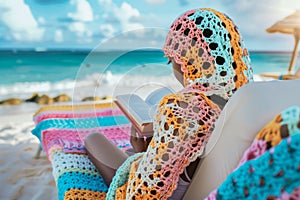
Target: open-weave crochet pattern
283 125
73 171
78 123
72 140
275 171
270 167
208 39
214 61
121 178
75 114
73 108
62 130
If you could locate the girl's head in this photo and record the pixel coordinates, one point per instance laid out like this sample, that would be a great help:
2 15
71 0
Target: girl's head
207 46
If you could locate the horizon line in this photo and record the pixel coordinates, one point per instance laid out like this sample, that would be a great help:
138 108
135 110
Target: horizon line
112 50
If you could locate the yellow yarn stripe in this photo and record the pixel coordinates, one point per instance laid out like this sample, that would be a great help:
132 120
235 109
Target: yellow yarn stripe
84 194
75 107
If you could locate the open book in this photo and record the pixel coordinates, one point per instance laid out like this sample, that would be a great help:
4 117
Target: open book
140 112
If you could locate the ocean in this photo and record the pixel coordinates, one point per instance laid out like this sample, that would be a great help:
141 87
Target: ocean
58 71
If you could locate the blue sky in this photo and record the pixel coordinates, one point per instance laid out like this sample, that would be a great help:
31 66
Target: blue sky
87 23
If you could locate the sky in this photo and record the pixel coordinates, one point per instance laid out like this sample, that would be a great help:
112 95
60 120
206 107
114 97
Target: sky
86 24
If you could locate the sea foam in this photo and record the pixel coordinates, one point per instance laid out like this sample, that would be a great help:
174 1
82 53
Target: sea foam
107 84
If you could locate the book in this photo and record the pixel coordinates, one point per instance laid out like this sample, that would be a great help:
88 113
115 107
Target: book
141 112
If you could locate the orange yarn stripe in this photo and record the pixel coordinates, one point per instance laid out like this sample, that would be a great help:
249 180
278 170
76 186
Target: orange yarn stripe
271 132
84 194
75 107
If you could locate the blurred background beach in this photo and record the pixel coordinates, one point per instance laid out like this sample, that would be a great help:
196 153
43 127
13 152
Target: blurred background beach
86 48
55 72
27 71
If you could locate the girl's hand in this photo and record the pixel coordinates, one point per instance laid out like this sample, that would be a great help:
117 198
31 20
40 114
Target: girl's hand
139 144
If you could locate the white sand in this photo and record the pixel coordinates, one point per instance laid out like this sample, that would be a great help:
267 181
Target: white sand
21 175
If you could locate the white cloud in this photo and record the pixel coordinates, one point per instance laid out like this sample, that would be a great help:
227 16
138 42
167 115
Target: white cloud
82 16
78 27
155 2
137 39
58 36
254 18
17 17
82 32
125 14
83 11
107 30
105 2
41 20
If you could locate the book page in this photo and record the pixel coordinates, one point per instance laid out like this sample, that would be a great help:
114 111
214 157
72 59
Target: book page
141 112
155 97
137 107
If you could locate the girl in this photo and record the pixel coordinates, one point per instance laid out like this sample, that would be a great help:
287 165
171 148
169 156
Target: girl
210 60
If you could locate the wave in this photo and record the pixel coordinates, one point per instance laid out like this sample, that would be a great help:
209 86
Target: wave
25 89
96 84
107 84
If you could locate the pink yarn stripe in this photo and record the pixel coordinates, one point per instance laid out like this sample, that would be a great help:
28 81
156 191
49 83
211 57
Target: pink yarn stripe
72 141
76 114
257 148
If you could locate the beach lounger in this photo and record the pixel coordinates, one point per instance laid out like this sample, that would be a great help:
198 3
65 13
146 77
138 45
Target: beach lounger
69 111
245 114
280 76
62 130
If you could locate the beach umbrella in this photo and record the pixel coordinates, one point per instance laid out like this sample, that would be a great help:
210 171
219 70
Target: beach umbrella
289 25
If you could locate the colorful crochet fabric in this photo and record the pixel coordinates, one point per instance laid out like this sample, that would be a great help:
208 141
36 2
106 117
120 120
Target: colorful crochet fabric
72 171
267 176
209 40
282 126
271 161
76 114
121 178
75 107
214 61
62 130
78 123
70 140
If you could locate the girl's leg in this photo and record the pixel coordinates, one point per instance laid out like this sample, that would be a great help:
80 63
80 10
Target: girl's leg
105 155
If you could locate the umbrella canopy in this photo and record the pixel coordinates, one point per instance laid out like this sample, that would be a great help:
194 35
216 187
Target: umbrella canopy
289 25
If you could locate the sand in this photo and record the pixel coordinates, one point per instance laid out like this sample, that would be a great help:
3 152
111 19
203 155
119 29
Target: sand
22 176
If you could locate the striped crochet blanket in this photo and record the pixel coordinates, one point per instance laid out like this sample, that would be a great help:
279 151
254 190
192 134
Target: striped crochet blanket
62 129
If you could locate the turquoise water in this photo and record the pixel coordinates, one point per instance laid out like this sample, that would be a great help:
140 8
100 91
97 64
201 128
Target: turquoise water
31 66
271 62
48 70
